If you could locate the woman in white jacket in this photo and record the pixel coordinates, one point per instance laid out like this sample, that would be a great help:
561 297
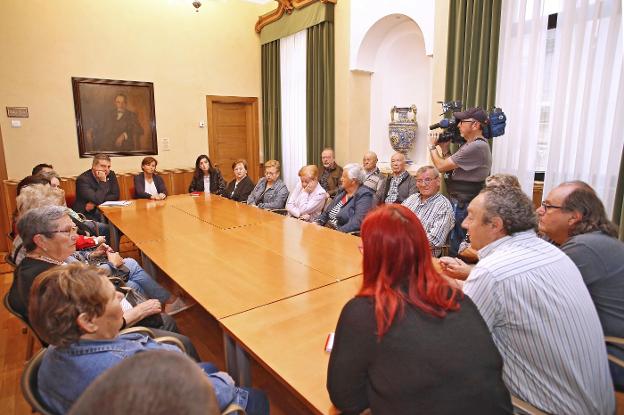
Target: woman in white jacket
307 200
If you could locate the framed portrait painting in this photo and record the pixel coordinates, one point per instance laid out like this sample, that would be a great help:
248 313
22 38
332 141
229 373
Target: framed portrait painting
114 117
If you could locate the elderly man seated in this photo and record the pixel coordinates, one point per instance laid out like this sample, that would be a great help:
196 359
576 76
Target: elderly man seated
574 218
372 175
329 172
96 186
397 187
536 305
432 208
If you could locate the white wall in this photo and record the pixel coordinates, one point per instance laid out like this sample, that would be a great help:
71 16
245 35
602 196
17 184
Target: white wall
401 76
187 55
365 13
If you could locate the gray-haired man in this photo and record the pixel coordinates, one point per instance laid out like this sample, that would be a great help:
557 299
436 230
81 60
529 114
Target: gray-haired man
534 300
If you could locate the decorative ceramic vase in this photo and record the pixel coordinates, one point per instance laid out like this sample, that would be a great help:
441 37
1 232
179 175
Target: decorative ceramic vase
403 130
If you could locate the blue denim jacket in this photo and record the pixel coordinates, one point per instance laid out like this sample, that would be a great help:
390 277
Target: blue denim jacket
66 372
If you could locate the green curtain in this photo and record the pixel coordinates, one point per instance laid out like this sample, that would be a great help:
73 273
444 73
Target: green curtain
271 101
474 27
320 101
618 207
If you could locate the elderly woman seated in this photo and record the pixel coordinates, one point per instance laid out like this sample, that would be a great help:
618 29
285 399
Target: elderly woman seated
49 238
307 200
52 176
351 204
77 310
270 192
52 179
39 195
241 186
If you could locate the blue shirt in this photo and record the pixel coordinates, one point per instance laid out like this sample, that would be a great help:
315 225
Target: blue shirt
66 372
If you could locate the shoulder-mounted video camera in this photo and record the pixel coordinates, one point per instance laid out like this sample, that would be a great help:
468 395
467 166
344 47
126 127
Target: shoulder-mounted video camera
493 127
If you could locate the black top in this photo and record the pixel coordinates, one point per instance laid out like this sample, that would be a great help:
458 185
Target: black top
242 191
90 189
217 183
139 186
423 364
23 278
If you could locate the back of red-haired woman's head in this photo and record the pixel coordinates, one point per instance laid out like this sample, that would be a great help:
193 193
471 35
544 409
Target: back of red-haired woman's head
398 267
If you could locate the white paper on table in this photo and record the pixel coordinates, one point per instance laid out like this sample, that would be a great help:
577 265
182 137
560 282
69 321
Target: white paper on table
116 203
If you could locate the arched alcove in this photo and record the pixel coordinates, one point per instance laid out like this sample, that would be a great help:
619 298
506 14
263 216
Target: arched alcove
393 53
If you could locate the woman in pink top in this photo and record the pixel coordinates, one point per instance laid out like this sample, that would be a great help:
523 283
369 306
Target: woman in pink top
307 200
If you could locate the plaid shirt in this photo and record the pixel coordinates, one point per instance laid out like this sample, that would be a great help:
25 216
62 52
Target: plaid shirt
436 216
393 192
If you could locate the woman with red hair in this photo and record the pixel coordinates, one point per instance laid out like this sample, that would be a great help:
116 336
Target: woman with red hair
409 342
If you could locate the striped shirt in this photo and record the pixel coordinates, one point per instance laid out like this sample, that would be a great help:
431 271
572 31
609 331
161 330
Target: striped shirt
393 192
333 214
373 179
437 217
543 321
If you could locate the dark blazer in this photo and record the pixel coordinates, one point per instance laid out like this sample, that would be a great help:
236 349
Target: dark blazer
352 214
242 191
139 186
407 187
90 189
217 184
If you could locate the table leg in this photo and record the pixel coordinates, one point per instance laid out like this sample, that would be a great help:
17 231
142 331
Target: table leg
115 236
148 266
242 363
229 345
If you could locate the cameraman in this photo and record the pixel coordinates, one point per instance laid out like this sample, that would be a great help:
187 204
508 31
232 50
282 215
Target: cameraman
470 165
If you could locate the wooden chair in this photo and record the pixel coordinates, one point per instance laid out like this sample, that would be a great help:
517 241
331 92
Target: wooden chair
28 380
30 389
28 383
30 339
167 177
126 186
525 407
616 341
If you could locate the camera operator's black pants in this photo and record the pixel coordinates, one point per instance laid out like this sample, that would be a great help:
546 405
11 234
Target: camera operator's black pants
457 234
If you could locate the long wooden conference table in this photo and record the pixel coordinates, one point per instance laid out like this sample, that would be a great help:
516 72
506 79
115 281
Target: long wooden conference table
275 284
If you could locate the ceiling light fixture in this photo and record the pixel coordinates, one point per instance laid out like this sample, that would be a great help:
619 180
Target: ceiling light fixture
197 5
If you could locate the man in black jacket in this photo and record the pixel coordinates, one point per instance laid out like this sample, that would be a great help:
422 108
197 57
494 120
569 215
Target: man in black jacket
96 186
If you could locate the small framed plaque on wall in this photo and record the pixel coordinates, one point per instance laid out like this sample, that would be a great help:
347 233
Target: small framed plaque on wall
17 112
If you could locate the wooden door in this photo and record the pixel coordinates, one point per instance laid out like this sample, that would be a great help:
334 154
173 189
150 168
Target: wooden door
233 133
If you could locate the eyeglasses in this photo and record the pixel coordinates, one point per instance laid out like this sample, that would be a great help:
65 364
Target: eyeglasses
73 229
547 206
424 181
462 121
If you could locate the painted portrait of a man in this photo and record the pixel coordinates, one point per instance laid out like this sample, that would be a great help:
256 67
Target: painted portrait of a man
115 118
